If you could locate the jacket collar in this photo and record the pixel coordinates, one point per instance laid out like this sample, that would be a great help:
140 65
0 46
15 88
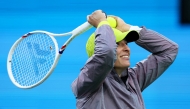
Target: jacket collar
115 76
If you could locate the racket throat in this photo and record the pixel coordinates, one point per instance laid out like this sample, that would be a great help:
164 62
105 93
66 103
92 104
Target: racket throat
62 49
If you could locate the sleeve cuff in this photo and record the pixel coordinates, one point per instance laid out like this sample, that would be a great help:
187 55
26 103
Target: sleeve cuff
103 23
136 28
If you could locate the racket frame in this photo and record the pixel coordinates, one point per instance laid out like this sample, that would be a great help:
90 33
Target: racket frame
9 59
79 30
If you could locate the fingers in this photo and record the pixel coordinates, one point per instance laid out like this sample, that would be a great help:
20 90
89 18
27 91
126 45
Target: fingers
104 13
96 17
121 25
115 17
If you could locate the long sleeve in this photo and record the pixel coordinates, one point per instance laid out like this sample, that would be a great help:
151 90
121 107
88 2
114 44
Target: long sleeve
164 52
99 65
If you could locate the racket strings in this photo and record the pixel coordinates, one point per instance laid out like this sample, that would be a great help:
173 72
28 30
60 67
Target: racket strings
32 59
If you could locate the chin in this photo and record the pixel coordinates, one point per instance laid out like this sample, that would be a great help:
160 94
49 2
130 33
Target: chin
127 64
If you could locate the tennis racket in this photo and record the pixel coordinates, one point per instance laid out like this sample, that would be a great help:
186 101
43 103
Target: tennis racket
34 56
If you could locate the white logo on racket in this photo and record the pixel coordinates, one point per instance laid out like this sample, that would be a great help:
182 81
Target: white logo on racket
37 55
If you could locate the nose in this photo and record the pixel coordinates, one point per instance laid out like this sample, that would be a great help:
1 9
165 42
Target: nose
126 48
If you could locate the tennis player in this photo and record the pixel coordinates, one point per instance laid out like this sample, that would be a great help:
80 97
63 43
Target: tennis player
107 81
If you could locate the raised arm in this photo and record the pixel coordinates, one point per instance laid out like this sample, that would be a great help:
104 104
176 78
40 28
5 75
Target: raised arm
163 51
98 65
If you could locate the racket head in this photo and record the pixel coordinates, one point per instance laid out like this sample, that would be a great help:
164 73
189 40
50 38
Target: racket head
32 58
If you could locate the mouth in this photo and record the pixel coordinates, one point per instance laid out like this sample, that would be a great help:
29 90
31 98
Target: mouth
126 57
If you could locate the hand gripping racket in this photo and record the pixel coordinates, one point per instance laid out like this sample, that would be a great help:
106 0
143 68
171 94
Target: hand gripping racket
33 57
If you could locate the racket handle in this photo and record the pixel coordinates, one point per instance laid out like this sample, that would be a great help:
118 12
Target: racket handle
81 29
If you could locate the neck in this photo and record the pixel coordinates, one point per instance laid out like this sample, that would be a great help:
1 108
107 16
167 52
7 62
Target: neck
119 71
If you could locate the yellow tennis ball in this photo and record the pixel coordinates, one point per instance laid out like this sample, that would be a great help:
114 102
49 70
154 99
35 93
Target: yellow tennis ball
112 22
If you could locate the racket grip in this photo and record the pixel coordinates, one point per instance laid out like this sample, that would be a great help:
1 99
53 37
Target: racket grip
81 29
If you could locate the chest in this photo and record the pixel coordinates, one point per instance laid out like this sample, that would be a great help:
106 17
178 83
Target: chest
125 88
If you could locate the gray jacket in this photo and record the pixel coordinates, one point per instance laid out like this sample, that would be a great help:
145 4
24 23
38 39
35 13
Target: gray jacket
99 87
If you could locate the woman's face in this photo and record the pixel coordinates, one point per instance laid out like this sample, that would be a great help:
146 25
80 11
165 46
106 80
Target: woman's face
123 55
